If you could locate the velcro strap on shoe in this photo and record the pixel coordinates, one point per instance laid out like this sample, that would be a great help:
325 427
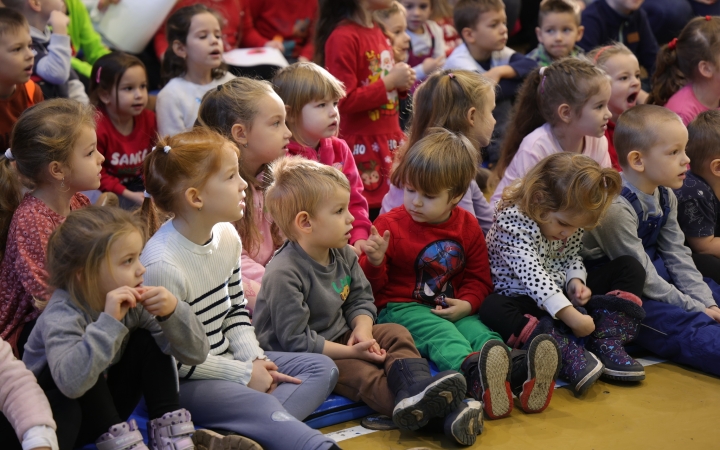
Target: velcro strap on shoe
181 429
184 444
121 442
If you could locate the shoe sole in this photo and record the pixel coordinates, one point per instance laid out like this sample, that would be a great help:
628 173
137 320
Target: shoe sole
437 400
494 367
468 425
543 368
620 375
210 440
583 385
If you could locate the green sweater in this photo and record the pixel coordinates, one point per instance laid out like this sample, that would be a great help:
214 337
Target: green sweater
84 38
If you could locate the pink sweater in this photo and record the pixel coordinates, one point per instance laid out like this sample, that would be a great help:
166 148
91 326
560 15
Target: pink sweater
21 399
685 104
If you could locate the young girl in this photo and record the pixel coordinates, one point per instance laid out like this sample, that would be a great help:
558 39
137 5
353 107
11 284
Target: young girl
196 255
192 66
539 276
427 40
442 14
566 104
623 68
54 153
253 116
686 77
357 52
125 129
311 97
107 340
462 102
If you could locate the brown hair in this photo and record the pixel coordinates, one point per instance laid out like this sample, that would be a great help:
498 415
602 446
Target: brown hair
44 133
177 29
564 182
440 10
548 7
636 129
11 21
302 83
570 81
300 184
237 102
191 159
678 63
107 72
78 247
703 138
442 160
467 12
330 14
601 55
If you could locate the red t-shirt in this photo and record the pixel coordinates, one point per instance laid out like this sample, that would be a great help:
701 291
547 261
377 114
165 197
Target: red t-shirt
293 21
124 155
425 260
609 133
12 107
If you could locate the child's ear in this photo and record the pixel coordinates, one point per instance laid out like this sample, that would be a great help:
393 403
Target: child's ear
239 134
581 33
468 35
454 201
193 198
715 167
35 5
104 96
302 222
471 116
635 161
706 69
565 113
179 49
57 170
538 33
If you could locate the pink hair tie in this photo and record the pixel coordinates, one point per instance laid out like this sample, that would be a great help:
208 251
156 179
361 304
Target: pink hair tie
97 76
672 44
451 75
600 52
708 18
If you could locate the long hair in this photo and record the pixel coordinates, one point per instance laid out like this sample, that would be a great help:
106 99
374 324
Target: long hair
107 72
330 14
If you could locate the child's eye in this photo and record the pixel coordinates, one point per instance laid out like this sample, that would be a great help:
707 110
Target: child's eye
339 211
623 78
321 105
129 260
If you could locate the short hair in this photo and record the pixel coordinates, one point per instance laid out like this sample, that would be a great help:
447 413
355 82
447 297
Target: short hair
703 138
548 7
299 184
468 12
636 129
442 160
11 21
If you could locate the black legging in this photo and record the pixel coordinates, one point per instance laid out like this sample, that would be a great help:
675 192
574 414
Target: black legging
708 266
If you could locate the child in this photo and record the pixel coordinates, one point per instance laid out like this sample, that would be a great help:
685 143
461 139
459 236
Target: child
427 42
87 43
438 300
53 151
315 299
686 79
251 114
608 21
196 256
461 102
101 318
352 48
482 25
698 204
125 130
558 32
311 96
17 91
442 14
681 322
562 108
192 64
623 68
539 276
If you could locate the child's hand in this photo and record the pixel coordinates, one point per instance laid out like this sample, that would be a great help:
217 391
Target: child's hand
360 334
137 197
580 324
359 246
456 311
363 350
401 76
577 291
158 301
430 65
376 246
261 380
280 378
120 300
275 44
59 22
714 313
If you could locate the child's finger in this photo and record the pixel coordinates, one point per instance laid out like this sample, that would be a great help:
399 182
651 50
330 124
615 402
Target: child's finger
282 378
386 236
374 231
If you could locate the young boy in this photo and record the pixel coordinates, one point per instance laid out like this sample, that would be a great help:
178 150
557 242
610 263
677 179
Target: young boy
315 298
681 322
17 91
557 32
428 266
698 203
608 21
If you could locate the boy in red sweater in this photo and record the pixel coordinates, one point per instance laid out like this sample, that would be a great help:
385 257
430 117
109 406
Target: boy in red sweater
438 300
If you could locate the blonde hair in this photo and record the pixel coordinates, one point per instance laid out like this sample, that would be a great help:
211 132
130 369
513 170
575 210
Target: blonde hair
77 248
381 15
442 160
302 83
601 55
299 185
636 129
564 182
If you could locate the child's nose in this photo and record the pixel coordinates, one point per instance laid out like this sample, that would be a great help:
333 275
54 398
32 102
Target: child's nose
141 270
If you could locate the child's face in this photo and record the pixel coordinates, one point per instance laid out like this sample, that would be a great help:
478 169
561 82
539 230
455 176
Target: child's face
625 6
424 208
318 120
418 12
396 27
594 116
491 32
483 122
16 57
666 163
122 266
624 71
203 46
332 222
561 225
559 33
268 137
130 97
85 163
223 194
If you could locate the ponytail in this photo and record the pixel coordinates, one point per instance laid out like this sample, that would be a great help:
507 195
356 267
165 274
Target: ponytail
668 78
330 14
10 197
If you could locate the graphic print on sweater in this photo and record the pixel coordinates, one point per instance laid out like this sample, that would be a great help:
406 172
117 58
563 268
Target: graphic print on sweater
380 66
435 267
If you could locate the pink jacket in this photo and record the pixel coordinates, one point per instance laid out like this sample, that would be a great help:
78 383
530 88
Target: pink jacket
335 152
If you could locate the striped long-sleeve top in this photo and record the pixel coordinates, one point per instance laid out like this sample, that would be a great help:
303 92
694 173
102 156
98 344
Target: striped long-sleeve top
208 278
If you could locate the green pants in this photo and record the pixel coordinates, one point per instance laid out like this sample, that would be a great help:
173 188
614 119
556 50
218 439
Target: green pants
445 343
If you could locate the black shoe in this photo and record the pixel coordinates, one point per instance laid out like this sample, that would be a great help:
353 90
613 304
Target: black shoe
465 423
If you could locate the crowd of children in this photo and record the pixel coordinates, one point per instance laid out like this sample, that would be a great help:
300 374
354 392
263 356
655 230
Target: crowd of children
257 244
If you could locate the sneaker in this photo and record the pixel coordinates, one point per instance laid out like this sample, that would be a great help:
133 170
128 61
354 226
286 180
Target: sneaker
465 423
172 431
488 378
534 373
210 440
123 436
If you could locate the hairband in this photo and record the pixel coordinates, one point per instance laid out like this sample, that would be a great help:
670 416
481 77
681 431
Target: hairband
9 155
600 52
166 149
145 193
542 82
672 44
451 75
97 76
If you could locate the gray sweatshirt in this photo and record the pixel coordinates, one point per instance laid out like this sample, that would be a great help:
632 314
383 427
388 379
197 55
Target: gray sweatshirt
302 303
79 345
617 236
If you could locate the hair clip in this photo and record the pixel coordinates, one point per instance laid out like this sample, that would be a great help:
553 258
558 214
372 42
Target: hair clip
145 193
542 82
451 75
708 18
604 182
219 88
672 44
542 70
167 149
97 76
600 52
9 155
